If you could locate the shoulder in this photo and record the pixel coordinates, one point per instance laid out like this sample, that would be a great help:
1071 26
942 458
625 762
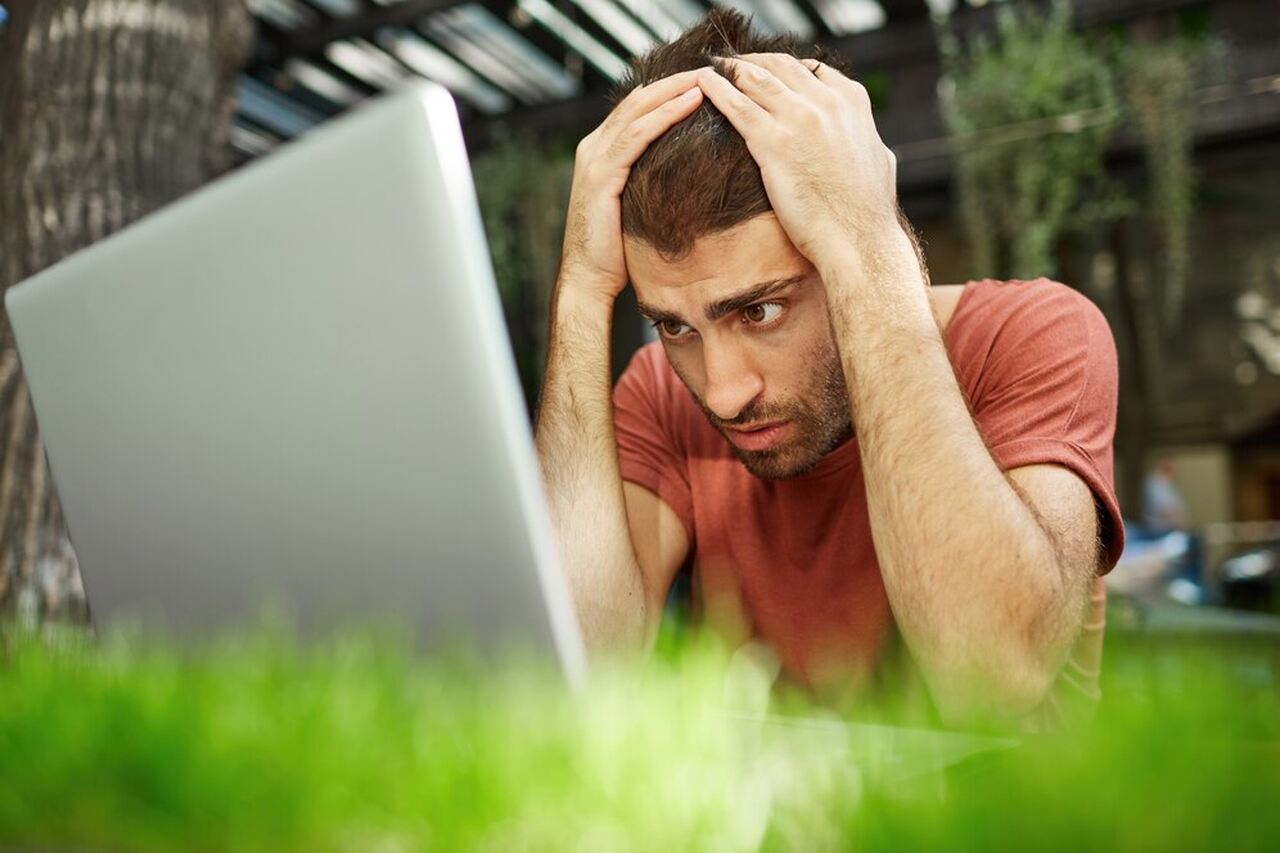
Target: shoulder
1040 301
650 386
1025 319
1019 332
650 368
650 356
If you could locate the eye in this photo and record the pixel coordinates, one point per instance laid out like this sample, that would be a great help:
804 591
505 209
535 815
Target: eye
762 313
671 329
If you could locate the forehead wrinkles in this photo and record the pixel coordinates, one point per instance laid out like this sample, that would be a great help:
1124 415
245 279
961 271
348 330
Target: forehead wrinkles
716 306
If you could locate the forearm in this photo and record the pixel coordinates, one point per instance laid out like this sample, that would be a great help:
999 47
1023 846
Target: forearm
575 441
969 572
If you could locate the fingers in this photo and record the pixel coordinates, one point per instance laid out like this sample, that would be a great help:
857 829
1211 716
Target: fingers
836 80
760 85
782 83
642 116
824 72
766 86
648 98
798 75
642 132
745 114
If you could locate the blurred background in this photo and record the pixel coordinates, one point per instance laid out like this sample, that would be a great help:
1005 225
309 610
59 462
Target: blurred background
1130 148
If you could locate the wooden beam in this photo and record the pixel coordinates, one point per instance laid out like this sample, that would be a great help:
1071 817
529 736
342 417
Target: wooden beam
913 40
909 40
810 12
1245 111
573 117
312 40
901 44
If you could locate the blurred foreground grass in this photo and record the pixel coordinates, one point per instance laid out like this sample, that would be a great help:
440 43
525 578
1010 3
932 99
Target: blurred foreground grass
357 744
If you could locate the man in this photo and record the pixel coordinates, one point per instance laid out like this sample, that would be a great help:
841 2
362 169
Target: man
1163 509
841 451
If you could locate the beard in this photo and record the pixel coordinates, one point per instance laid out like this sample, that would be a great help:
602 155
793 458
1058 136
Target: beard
821 422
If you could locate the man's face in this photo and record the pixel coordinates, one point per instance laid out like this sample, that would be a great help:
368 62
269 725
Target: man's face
744 321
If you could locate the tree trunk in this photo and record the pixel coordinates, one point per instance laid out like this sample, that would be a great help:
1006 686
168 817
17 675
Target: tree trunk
109 109
1136 342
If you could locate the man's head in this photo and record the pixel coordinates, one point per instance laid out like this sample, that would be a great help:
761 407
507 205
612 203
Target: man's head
699 178
741 312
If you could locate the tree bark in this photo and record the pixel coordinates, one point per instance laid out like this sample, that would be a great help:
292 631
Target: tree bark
109 109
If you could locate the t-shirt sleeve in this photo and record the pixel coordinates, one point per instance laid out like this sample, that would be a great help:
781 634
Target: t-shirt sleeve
1048 395
651 444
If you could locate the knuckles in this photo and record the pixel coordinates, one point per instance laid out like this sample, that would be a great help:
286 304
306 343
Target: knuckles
859 95
585 148
810 116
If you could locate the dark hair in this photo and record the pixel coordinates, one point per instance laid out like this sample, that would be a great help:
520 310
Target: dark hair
699 178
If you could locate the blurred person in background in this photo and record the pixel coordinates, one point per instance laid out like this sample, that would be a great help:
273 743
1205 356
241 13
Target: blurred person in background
846 456
1163 509
108 110
1165 517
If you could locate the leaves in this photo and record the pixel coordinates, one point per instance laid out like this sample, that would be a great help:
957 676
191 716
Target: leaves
1031 114
1159 81
257 742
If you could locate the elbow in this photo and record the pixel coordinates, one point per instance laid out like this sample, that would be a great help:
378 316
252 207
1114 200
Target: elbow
612 631
1000 690
1000 673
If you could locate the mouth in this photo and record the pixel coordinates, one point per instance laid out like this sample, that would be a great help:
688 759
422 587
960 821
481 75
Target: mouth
762 437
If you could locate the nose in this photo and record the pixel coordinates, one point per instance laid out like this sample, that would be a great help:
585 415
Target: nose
732 380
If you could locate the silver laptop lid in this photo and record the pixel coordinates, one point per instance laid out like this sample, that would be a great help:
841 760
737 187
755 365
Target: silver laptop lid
296 386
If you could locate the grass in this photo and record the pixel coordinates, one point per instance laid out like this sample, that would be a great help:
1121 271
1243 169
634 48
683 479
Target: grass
258 742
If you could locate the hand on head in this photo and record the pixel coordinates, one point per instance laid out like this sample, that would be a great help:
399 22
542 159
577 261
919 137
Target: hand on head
810 129
592 261
805 148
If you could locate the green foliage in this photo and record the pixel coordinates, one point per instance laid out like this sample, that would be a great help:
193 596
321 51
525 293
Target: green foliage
1181 757
523 189
877 85
1159 81
260 743
1031 115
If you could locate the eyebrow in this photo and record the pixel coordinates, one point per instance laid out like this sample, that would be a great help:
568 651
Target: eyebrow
730 304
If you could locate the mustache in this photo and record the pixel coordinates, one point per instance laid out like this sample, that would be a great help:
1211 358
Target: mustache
754 413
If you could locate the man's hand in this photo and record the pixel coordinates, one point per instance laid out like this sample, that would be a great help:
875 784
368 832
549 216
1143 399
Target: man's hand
828 175
592 261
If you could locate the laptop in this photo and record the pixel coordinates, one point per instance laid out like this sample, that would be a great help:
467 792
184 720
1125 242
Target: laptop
295 387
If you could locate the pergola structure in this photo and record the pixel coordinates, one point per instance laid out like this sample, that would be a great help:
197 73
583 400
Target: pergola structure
547 65
512 63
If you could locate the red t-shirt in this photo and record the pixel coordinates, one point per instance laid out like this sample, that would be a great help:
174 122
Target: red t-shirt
792 562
